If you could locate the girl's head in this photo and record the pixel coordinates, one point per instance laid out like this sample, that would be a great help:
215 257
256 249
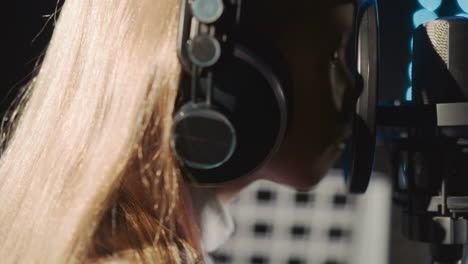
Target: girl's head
292 46
88 172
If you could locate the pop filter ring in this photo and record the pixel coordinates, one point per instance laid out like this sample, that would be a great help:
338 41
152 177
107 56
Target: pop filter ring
362 146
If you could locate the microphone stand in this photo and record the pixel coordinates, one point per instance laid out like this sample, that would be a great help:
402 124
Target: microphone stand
431 175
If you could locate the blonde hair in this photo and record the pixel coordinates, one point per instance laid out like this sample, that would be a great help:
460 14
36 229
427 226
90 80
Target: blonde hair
88 173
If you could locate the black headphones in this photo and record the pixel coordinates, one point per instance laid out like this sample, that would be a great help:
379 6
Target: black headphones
234 102
233 110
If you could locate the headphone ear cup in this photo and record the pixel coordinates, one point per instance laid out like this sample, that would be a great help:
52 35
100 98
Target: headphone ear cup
203 138
250 95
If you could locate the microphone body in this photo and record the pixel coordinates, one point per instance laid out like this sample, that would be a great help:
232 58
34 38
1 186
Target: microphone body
433 161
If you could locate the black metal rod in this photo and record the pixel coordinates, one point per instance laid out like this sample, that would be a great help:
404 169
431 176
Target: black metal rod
407 116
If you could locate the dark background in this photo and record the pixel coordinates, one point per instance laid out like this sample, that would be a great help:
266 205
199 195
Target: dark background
23 42
25 34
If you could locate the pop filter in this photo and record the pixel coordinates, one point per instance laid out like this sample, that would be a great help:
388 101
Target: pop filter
359 156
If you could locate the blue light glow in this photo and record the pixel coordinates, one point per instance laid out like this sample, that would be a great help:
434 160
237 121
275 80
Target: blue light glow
422 16
463 5
430 4
408 95
462 15
411 44
410 71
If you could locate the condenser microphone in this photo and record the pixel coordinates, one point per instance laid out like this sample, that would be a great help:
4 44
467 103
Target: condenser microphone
430 148
433 158
430 153
441 61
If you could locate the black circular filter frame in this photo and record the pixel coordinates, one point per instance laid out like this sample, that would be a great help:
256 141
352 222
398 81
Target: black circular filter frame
360 154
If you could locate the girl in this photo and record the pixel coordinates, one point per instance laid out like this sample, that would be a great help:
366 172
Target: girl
88 175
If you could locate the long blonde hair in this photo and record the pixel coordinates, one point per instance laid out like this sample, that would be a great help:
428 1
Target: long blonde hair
88 173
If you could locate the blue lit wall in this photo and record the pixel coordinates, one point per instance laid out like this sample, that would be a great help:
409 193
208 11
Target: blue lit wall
431 10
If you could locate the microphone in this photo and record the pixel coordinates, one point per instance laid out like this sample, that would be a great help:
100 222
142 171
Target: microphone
431 163
440 61
437 209
430 155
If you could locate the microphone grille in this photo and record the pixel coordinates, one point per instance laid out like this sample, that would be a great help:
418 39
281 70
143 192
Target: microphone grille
440 61
438 32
